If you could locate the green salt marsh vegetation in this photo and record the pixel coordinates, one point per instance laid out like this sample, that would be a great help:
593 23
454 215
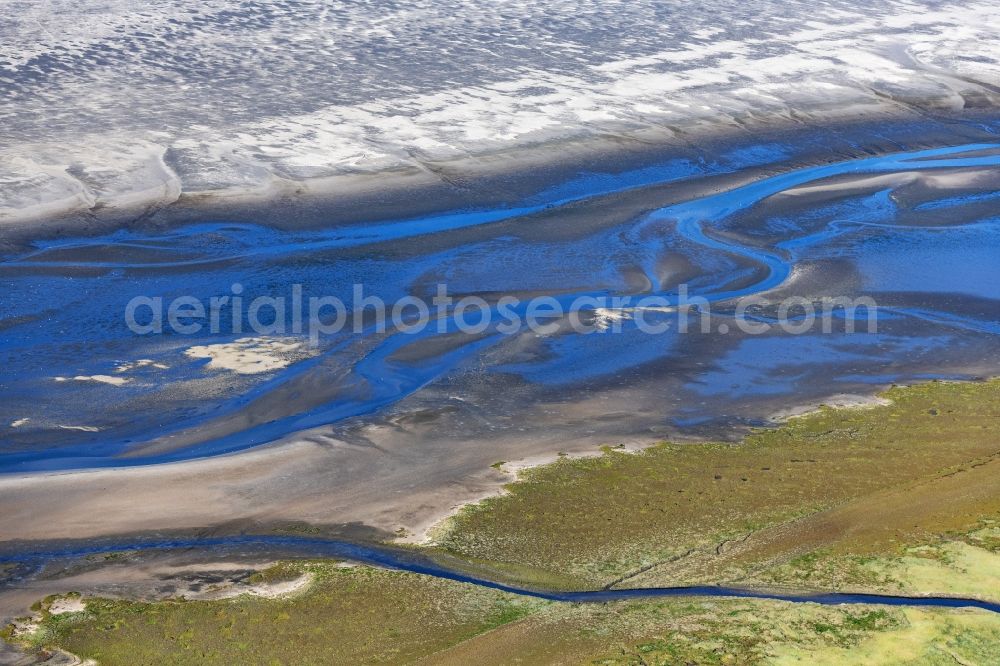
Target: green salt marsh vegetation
899 497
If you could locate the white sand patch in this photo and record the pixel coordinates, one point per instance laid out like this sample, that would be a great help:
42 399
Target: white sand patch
883 181
282 589
141 363
102 379
959 180
838 401
604 318
276 590
67 605
516 467
17 423
656 308
70 659
248 356
23 627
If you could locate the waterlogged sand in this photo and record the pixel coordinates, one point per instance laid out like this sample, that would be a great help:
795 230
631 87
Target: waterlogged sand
611 228
443 434
314 478
397 490
103 379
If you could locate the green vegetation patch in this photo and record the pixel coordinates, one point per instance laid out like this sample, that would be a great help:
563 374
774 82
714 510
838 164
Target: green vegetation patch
956 565
366 616
900 496
732 631
349 615
599 519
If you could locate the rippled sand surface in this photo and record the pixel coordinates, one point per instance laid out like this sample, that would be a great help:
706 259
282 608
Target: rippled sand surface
117 108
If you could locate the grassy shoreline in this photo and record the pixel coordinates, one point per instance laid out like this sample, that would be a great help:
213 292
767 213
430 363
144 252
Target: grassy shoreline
863 482
902 497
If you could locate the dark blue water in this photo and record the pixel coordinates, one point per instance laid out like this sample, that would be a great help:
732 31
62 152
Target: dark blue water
416 563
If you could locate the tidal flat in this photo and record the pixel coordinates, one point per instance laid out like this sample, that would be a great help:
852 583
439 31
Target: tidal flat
472 332
390 431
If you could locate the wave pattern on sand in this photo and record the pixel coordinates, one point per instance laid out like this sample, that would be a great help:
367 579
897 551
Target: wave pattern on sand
123 108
